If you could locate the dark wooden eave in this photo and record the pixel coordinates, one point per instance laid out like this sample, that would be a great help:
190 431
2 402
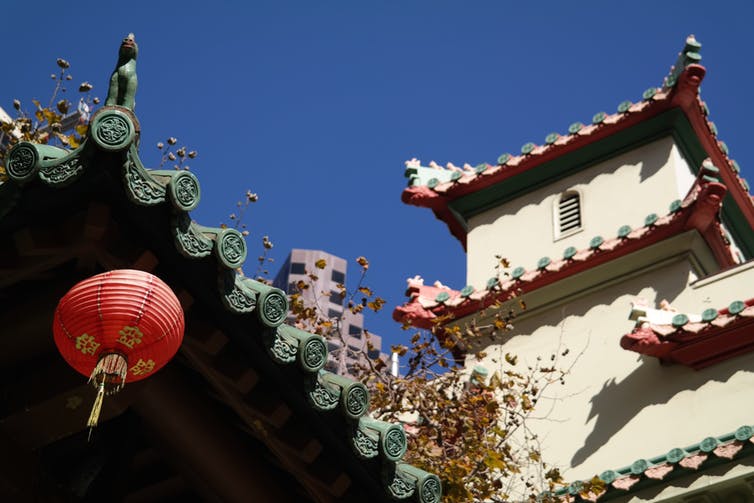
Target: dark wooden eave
224 419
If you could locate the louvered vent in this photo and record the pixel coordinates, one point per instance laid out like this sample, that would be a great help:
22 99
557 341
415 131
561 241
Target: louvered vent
569 213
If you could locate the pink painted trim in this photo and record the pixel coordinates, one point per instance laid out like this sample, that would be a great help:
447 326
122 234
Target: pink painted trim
694 461
658 472
724 338
728 451
625 483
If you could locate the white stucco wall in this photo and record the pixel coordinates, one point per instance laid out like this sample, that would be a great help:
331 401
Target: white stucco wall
619 191
618 406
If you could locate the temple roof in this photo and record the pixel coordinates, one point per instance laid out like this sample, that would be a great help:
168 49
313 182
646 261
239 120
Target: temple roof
429 306
694 340
455 194
98 205
659 470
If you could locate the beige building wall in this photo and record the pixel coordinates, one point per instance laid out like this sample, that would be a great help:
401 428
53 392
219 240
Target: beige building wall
619 191
618 406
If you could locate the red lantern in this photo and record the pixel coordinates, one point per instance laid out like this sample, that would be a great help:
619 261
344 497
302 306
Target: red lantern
117 327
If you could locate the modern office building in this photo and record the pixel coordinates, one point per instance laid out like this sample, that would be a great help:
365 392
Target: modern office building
348 343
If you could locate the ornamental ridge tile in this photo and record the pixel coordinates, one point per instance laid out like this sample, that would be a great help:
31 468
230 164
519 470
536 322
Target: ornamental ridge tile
663 468
680 90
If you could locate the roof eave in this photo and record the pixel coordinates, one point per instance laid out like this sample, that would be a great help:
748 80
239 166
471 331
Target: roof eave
453 203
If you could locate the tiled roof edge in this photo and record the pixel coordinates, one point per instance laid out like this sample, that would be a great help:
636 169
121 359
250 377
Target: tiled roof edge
115 130
427 304
695 340
644 473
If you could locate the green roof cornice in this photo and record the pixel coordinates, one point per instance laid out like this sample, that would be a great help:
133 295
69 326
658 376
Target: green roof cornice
658 470
672 123
543 174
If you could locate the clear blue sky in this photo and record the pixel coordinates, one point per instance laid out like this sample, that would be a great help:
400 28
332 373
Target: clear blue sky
316 105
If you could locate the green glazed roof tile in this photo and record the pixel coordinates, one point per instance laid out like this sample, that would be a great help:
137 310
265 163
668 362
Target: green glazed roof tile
680 320
575 127
709 315
736 307
639 466
624 231
675 455
708 444
504 158
527 148
609 476
744 433
442 297
599 117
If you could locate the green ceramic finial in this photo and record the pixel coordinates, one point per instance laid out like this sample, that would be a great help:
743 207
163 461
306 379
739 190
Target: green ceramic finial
123 81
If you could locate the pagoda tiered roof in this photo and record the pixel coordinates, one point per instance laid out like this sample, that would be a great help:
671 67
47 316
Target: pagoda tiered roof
675 108
429 305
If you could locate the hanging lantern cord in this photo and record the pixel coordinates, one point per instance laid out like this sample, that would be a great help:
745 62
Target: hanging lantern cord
108 377
96 408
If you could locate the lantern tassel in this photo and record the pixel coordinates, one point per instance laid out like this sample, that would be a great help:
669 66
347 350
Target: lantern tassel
96 408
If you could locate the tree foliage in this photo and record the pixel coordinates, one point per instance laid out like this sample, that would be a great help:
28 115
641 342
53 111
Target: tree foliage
469 427
57 123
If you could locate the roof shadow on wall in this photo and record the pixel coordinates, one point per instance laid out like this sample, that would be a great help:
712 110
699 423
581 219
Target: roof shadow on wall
650 384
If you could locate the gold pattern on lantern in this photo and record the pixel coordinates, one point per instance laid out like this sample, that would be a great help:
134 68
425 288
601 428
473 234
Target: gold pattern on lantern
130 336
86 344
142 367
